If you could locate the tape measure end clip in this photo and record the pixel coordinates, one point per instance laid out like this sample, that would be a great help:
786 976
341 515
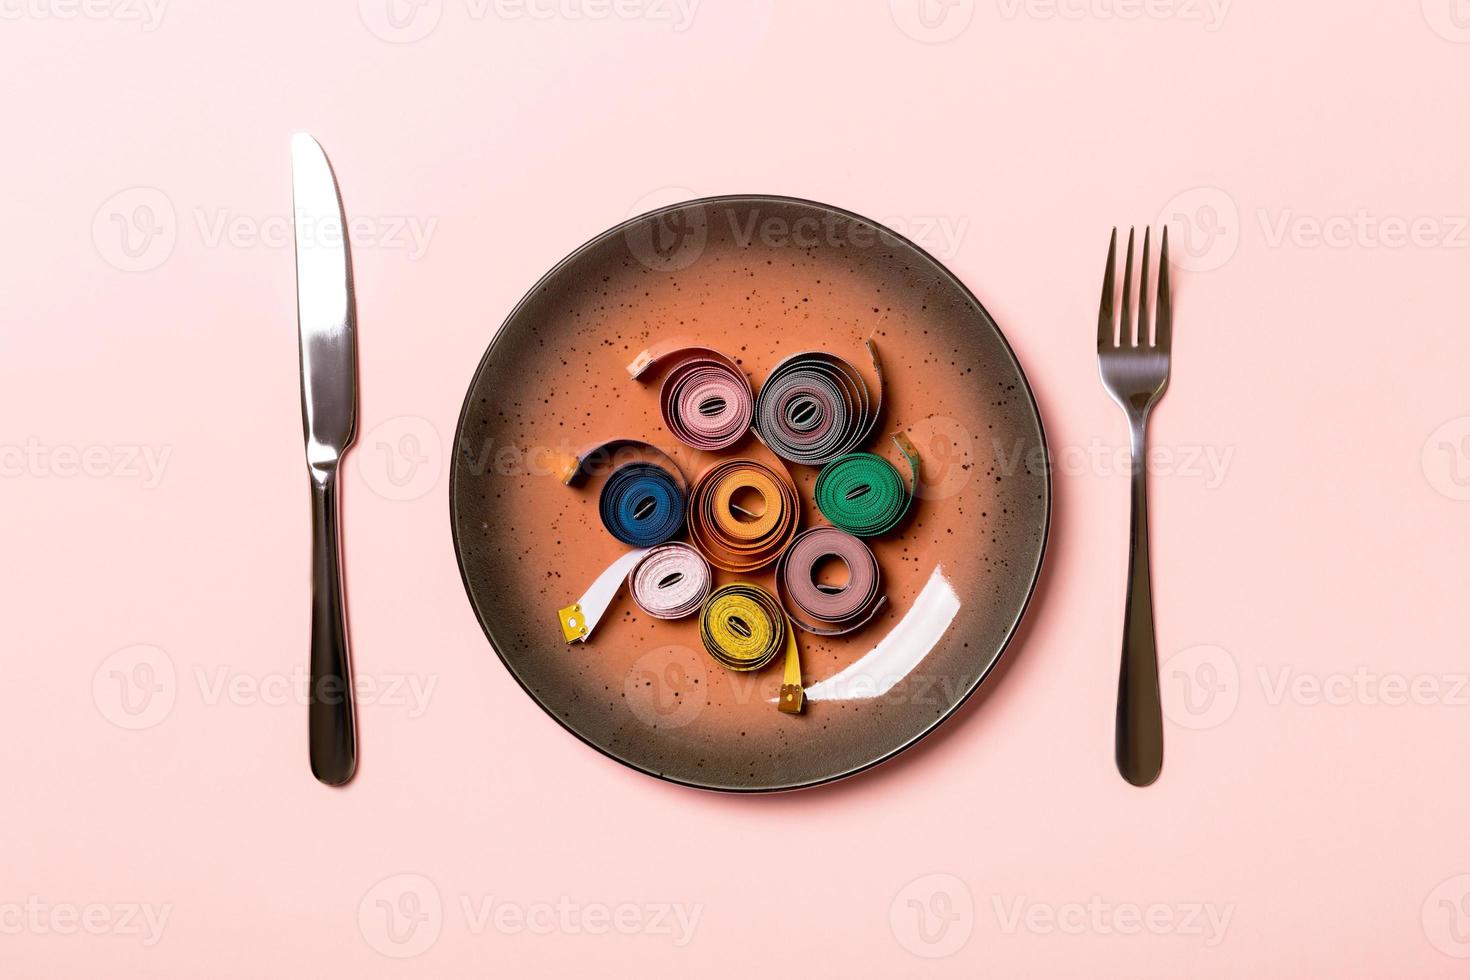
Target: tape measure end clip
573 623
792 699
639 364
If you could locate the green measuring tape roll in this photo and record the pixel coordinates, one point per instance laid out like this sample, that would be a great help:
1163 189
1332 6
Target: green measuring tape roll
863 494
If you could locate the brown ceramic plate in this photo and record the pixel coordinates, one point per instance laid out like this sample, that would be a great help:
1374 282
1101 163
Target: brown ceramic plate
759 278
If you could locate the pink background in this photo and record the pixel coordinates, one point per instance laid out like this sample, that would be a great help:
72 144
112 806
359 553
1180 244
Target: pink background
1309 499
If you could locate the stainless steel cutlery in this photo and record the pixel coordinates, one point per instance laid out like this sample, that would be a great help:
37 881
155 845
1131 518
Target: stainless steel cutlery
326 315
1135 371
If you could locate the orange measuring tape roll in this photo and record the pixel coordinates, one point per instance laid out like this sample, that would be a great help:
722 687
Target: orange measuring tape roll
742 514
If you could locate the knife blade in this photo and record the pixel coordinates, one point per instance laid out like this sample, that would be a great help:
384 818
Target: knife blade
327 321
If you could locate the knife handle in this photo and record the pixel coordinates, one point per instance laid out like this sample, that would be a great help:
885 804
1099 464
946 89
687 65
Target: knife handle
331 725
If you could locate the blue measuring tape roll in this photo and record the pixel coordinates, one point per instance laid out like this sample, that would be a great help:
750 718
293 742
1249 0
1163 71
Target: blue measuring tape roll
642 505
642 502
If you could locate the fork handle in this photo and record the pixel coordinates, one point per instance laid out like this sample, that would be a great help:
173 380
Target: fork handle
332 732
1140 726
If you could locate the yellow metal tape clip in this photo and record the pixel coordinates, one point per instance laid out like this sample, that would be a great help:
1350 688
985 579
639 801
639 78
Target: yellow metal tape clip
792 696
573 623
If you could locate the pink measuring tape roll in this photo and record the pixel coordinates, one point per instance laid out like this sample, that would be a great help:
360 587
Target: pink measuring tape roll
822 609
670 581
706 400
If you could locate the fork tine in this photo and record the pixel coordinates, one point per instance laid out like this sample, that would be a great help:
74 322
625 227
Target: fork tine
1125 331
1163 309
1143 325
1105 322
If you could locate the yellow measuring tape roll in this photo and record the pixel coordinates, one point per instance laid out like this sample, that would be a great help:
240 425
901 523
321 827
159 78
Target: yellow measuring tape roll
744 628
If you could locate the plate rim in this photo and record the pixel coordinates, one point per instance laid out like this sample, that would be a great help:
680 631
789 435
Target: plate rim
1011 629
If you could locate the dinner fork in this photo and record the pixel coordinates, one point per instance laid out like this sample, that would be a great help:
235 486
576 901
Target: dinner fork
1135 373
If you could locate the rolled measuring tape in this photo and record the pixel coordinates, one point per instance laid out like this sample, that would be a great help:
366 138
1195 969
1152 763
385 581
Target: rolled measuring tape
815 407
705 398
670 581
580 618
822 609
744 628
727 524
863 494
642 502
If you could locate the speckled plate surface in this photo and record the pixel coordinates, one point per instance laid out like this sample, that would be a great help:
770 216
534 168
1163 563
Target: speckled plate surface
758 278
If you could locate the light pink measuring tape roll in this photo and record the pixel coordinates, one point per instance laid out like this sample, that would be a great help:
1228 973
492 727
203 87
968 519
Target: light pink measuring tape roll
706 400
831 611
670 581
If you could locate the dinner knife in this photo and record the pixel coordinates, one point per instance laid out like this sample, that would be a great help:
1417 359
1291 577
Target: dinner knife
327 319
